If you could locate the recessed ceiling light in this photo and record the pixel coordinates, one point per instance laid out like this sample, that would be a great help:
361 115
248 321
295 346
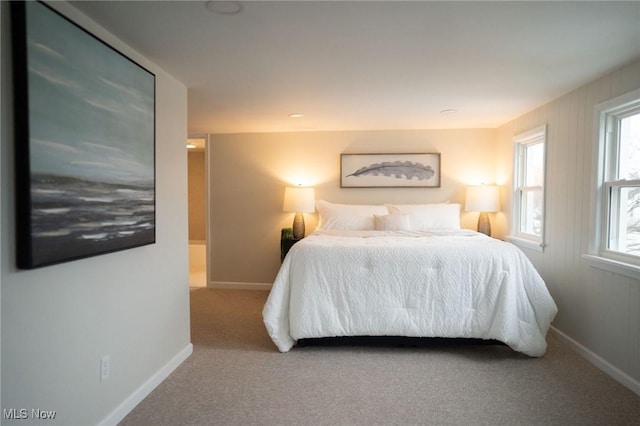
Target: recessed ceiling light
224 7
190 146
448 111
296 115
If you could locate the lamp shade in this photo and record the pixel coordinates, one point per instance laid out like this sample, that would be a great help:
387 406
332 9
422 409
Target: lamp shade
482 198
299 200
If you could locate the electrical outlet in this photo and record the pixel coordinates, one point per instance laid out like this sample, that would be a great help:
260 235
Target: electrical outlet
105 365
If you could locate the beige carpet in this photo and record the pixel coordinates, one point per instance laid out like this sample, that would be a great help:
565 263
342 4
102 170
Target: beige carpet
236 376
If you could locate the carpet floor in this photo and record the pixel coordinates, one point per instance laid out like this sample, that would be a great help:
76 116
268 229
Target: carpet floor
236 376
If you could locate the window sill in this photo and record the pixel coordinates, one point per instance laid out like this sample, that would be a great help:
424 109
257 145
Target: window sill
525 244
621 268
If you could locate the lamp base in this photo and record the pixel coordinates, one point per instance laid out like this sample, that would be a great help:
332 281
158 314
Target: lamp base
484 225
298 226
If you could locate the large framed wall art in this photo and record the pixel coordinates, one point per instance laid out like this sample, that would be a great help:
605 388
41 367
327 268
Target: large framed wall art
84 142
420 170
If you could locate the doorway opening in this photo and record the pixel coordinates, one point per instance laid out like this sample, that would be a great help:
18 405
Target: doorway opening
197 188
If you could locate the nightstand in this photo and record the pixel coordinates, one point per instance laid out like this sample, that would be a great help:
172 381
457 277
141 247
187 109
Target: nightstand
285 246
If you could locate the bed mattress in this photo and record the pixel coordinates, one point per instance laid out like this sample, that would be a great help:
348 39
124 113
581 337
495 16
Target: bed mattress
458 283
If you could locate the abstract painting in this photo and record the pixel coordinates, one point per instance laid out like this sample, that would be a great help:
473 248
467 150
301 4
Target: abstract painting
84 142
390 170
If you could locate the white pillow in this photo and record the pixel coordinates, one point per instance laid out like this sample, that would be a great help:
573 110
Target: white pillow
429 216
352 217
392 222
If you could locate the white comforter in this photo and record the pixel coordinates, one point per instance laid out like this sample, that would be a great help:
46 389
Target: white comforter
416 284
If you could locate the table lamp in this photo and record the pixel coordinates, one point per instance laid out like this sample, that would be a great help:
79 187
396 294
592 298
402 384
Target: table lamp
483 199
299 200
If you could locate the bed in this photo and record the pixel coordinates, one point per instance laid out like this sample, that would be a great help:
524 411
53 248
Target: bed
410 271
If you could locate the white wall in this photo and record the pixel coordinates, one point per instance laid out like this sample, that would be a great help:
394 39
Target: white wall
58 321
249 173
197 196
599 311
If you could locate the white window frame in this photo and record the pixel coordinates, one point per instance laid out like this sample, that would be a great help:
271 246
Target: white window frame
606 117
521 141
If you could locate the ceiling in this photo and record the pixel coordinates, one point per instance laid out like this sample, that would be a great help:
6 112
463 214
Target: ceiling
356 65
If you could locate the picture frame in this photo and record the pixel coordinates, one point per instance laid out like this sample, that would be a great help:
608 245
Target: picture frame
84 142
412 170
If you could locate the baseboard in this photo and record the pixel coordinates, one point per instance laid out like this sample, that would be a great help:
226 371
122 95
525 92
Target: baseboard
143 391
604 365
239 285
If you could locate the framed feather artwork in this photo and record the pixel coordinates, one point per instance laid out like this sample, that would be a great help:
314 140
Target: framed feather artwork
416 170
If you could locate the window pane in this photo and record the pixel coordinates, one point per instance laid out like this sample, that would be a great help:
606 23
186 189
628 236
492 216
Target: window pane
531 212
624 220
629 161
533 170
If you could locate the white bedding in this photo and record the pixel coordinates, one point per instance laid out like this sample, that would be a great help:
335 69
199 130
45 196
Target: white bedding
409 283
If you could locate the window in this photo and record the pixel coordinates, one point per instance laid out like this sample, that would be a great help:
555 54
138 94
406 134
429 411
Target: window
620 186
615 217
528 188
